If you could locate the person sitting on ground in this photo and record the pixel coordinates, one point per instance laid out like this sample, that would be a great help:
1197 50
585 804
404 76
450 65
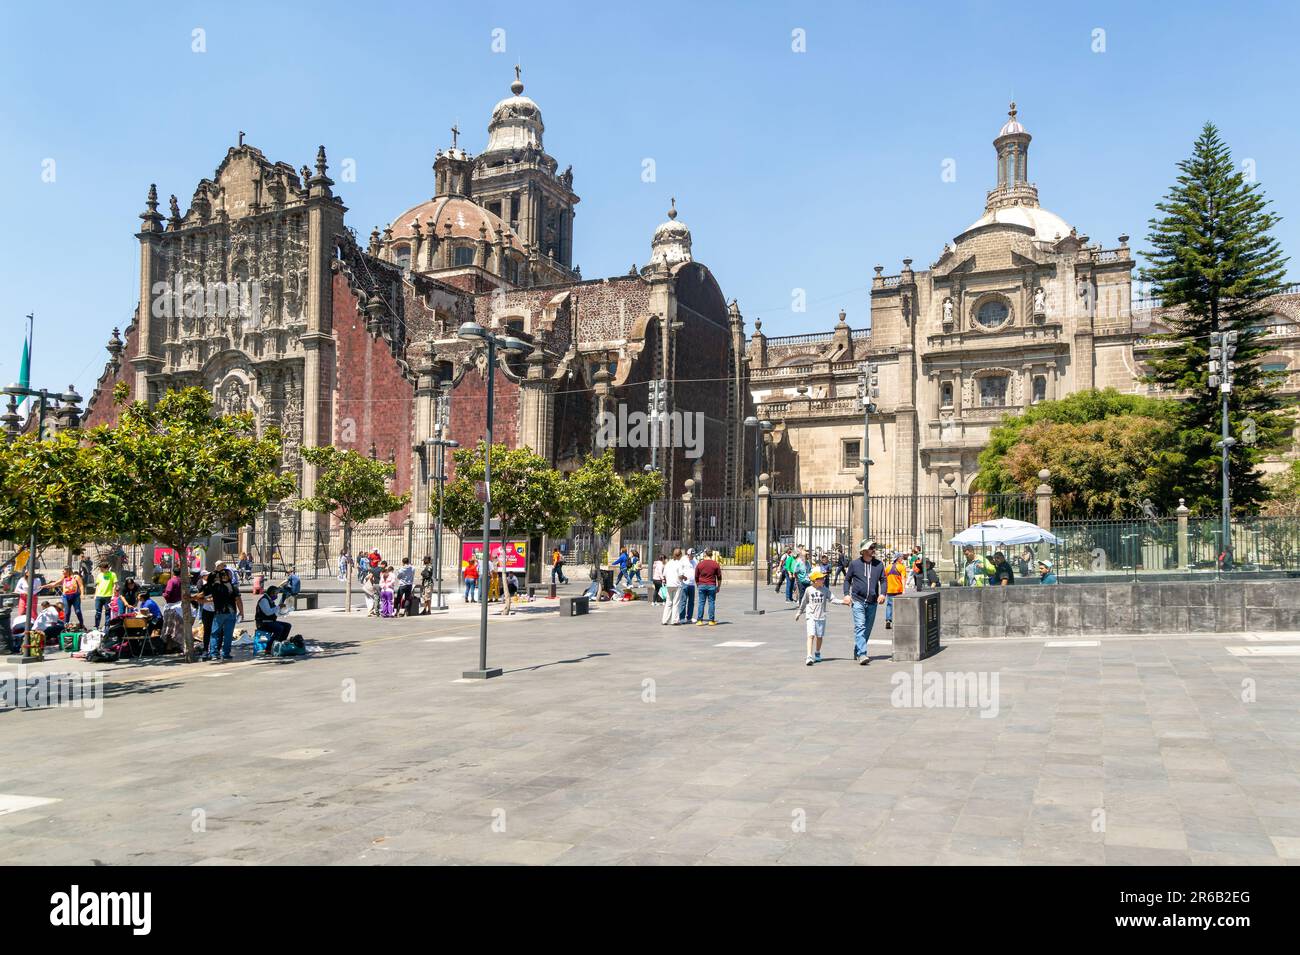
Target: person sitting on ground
268 620
47 622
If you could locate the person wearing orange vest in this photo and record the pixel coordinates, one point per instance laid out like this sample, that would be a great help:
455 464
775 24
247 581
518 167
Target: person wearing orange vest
895 578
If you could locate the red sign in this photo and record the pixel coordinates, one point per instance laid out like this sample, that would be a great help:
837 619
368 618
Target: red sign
516 553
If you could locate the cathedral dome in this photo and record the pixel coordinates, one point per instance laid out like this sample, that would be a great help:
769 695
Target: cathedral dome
467 218
516 121
1047 226
671 244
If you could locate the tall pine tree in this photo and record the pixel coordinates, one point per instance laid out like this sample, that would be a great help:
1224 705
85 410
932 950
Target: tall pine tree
1213 263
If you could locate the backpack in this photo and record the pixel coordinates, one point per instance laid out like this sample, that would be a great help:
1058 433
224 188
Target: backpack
293 647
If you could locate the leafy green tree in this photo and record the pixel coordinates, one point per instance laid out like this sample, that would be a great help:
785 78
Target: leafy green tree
1105 468
527 494
1212 264
175 473
42 493
608 500
353 488
1284 492
1107 452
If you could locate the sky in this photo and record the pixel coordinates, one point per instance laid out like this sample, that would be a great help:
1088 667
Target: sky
805 142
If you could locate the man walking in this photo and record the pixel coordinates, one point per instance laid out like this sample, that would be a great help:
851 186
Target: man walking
864 585
557 566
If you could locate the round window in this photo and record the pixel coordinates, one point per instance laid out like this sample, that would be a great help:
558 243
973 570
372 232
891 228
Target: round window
992 313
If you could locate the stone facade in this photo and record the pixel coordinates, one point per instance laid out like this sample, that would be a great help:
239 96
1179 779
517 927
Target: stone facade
278 309
1018 308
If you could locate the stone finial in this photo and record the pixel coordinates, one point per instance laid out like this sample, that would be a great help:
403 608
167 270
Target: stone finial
151 217
1182 506
374 452
758 325
950 478
1044 475
1123 241
9 419
843 318
907 265
320 161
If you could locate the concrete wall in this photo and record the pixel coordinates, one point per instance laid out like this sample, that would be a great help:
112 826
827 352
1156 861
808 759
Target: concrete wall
1085 610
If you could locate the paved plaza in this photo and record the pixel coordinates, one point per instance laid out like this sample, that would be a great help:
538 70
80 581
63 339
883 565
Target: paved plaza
611 739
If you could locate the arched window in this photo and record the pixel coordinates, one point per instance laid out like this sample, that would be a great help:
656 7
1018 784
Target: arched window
1040 389
945 395
402 256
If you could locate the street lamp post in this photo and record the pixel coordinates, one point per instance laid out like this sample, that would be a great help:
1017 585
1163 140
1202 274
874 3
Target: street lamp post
1222 349
759 427
440 446
35 652
472 331
868 388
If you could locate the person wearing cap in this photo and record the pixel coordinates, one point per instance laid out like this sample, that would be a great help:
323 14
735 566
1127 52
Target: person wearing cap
864 585
1046 575
268 620
895 584
814 601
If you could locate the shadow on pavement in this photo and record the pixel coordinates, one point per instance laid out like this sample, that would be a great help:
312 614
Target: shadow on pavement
541 666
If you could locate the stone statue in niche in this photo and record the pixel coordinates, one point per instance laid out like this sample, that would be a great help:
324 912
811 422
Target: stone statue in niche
947 311
1040 301
232 397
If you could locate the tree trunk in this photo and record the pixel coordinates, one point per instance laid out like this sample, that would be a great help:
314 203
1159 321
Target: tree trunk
187 624
347 571
505 579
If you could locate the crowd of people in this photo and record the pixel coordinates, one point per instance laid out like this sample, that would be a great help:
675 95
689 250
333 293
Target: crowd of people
138 617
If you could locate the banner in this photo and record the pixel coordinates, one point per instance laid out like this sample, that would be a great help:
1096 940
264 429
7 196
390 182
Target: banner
516 553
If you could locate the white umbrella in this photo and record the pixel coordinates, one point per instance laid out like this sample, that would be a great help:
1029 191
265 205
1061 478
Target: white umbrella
1004 531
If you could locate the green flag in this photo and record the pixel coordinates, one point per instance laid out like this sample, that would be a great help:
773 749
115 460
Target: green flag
25 371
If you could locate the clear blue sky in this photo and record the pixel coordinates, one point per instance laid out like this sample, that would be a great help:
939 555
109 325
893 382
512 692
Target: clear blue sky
793 170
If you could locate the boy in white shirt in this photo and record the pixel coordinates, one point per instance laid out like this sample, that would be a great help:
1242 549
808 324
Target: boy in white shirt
815 599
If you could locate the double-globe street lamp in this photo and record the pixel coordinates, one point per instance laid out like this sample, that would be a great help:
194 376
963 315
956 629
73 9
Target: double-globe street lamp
759 427
440 446
474 332
70 398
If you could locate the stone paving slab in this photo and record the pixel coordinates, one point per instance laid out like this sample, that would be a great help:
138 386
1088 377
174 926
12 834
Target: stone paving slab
613 740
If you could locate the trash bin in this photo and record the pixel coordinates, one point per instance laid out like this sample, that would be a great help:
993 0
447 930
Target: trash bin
606 579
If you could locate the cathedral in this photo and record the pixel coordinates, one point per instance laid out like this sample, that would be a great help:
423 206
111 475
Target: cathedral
260 293
1019 307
